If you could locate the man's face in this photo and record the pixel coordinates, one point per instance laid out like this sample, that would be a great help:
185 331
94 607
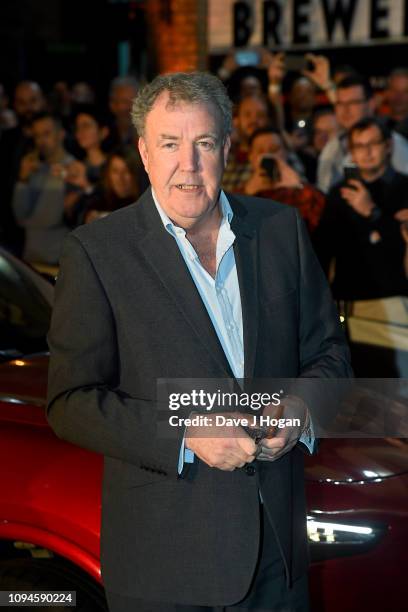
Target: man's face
121 101
252 115
250 86
184 155
302 96
351 106
397 95
370 152
265 144
28 100
324 128
48 137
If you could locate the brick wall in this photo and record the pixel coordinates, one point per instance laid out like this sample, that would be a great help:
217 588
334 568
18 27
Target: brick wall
179 30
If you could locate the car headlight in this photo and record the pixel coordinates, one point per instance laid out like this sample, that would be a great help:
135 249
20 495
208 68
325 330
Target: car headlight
329 539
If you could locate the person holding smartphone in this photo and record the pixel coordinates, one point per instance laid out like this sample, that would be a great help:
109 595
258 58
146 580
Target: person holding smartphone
38 199
274 175
361 225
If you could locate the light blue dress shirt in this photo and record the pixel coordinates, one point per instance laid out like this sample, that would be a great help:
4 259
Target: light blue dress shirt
221 295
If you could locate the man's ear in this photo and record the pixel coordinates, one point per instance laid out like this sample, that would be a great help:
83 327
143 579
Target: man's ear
227 146
143 151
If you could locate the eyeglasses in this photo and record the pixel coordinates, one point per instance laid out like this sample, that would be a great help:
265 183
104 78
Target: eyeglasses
350 103
360 146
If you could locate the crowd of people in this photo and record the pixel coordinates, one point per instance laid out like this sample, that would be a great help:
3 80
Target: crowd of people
322 140
318 138
64 160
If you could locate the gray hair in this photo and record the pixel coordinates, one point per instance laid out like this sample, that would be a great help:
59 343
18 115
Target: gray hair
190 87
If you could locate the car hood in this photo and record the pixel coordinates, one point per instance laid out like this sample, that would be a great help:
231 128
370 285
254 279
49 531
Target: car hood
357 460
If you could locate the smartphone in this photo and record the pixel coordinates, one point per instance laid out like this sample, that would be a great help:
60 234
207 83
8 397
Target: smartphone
351 172
271 167
247 58
297 63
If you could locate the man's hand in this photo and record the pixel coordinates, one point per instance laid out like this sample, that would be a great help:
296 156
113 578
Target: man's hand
282 440
228 448
275 64
258 182
358 197
320 73
28 165
288 177
76 175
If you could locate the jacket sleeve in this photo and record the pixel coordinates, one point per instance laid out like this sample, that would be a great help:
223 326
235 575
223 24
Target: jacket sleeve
85 403
323 349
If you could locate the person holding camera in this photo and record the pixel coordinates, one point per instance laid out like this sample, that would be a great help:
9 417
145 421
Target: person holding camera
38 198
361 225
273 176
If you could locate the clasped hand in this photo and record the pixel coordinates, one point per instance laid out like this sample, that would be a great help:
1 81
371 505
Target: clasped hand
229 447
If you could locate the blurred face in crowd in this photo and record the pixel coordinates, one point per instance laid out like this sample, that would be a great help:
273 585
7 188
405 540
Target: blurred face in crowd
82 93
302 96
397 94
265 144
250 86
48 137
88 133
184 154
120 178
121 102
324 128
252 115
370 152
352 105
28 100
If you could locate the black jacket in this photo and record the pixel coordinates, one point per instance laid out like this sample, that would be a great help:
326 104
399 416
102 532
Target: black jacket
368 252
126 313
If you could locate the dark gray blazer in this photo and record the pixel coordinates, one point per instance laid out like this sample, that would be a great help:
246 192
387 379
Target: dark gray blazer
127 312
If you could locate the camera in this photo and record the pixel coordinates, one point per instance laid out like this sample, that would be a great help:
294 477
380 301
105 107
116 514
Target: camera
270 166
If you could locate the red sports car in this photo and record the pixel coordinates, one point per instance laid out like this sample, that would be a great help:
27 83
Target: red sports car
50 490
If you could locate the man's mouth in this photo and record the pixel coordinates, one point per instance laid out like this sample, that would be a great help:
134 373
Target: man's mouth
187 187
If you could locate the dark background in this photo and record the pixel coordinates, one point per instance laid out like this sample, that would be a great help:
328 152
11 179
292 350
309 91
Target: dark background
73 40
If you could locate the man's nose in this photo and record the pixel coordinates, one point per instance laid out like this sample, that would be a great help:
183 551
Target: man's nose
188 158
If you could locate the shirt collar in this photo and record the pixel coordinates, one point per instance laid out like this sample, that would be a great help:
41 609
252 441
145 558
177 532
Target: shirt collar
226 212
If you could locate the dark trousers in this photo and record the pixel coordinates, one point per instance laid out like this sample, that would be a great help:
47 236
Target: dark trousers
268 591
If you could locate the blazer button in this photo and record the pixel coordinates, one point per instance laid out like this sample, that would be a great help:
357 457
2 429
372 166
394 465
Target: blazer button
250 470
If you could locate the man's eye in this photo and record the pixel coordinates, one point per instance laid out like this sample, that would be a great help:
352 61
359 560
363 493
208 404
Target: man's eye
169 145
205 144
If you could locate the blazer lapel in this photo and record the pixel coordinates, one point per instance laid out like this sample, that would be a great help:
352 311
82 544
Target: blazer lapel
163 255
246 258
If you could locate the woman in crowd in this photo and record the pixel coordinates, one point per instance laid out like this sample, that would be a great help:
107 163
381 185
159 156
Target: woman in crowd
119 187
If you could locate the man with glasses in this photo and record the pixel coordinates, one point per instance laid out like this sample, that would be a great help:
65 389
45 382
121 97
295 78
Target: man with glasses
361 224
354 102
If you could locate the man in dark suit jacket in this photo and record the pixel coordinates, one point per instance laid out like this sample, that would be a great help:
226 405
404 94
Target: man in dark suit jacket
190 520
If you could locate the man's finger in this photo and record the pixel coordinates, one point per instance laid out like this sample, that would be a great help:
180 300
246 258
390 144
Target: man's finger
274 443
247 445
